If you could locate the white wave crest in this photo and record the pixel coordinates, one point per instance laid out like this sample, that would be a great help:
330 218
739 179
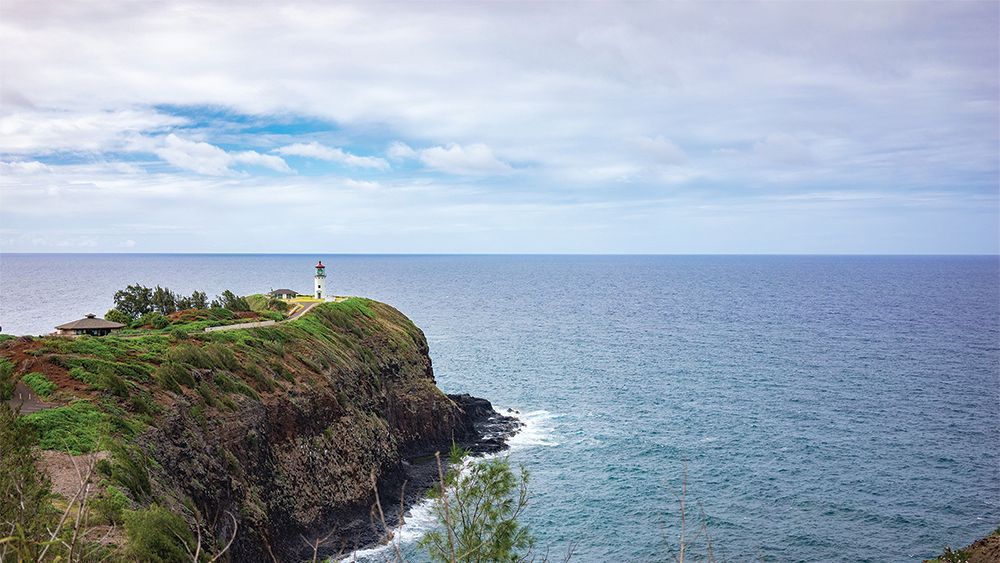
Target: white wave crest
537 429
417 521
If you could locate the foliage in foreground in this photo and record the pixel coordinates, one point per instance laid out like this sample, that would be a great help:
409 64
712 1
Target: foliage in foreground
25 509
477 508
37 525
6 380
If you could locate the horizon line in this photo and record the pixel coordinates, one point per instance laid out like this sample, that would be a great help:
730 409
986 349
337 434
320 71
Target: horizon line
223 253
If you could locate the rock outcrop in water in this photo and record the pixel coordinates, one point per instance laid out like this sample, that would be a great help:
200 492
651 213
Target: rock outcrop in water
278 430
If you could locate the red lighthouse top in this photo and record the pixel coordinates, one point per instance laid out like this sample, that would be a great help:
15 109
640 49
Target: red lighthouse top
320 264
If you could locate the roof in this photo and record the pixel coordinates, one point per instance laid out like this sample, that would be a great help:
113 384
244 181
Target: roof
90 322
283 292
320 264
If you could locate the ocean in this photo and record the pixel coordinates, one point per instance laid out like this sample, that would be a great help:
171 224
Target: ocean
823 408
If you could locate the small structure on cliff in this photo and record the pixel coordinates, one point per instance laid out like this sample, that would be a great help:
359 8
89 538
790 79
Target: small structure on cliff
283 293
91 325
320 281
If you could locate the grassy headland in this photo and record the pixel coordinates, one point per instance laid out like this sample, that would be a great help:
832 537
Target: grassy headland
272 431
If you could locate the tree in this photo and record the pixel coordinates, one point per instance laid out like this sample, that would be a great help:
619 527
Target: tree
163 301
134 301
116 316
477 508
231 301
199 300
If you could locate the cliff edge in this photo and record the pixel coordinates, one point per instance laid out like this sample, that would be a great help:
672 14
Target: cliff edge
274 433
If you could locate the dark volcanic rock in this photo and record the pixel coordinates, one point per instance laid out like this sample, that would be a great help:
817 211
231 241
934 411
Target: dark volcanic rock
296 465
489 429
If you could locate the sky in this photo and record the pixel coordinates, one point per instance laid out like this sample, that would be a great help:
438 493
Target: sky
507 127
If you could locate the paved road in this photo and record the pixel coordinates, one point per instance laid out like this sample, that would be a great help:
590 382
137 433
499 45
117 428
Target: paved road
26 398
305 309
301 311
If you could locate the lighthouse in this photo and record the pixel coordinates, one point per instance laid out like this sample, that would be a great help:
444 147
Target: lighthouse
320 280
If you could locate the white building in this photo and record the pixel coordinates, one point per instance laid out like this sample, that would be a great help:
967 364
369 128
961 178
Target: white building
320 281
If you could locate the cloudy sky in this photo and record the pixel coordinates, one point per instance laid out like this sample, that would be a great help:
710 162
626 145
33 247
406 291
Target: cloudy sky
690 127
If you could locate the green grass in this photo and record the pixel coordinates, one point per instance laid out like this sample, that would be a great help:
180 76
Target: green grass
76 429
41 384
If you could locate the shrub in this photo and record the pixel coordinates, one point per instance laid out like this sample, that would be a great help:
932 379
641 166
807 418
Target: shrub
129 469
143 403
170 376
116 316
6 380
81 374
25 509
111 504
478 509
220 314
76 429
154 320
109 381
157 535
41 384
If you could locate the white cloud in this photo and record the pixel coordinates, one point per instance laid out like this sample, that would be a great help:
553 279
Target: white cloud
205 158
468 160
17 168
255 158
332 154
471 159
42 132
401 151
910 88
362 184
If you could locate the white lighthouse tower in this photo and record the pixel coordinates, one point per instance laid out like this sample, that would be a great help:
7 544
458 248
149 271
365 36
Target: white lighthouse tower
320 280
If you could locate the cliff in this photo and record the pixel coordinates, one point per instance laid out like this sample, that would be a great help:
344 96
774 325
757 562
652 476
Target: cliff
275 431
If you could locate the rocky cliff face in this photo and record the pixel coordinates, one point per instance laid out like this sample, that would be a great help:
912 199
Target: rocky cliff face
356 400
275 431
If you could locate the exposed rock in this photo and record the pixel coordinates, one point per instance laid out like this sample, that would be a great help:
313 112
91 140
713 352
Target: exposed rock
296 466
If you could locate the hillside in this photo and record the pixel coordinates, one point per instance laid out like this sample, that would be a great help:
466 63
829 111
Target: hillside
273 432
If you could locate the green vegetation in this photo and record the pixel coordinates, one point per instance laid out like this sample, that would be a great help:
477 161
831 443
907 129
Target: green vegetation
111 505
477 509
156 534
25 508
76 429
131 377
136 300
33 529
41 384
153 320
231 301
951 556
6 380
140 306
982 550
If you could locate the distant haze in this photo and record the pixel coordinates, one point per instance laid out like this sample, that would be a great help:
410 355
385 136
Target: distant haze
593 127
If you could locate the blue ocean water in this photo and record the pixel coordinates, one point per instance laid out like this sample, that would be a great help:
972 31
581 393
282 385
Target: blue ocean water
825 408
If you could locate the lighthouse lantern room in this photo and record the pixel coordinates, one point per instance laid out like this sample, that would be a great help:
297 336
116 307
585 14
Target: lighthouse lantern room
320 279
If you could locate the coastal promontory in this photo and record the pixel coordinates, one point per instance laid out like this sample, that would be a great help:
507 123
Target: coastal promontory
272 439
